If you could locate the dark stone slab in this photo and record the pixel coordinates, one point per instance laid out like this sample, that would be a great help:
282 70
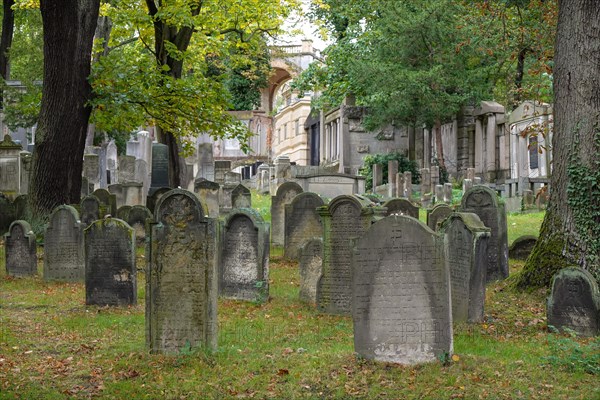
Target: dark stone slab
522 247
7 213
437 214
284 195
153 198
137 217
89 210
302 222
160 166
108 201
63 246
20 250
123 212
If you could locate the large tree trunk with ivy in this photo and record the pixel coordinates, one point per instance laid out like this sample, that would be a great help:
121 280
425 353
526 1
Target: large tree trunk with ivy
8 27
60 137
570 233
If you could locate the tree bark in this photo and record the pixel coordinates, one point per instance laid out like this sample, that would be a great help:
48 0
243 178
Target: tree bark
8 27
60 137
569 233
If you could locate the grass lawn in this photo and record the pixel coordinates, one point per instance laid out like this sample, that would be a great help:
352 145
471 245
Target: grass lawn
54 346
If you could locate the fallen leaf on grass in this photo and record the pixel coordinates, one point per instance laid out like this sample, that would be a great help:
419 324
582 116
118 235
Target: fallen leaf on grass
283 371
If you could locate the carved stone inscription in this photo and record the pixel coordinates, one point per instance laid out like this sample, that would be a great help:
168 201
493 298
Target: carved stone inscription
181 284
20 250
401 293
9 174
110 272
63 247
302 222
311 267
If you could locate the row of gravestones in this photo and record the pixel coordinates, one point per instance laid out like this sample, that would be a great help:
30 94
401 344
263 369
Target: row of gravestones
190 257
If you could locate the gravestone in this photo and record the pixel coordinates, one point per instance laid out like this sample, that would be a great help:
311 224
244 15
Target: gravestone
108 201
241 197
521 247
160 167
425 183
89 210
26 169
10 171
435 175
377 176
136 219
206 162
142 176
401 293
21 204
302 222
208 193
221 168
126 170
439 193
7 213
123 212
63 246
181 277
344 219
400 186
466 240
110 272
408 188
87 188
437 214
483 201
91 169
112 164
448 193
401 206
574 302
311 268
263 179
284 195
392 174
20 250
467 184
152 200
244 267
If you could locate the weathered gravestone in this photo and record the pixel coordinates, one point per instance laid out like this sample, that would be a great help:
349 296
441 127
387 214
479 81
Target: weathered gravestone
126 169
344 219
63 246
244 267
311 268
466 240
437 215
208 193
10 171
522 247
110 272
206 162
181 277
152 200
137 221
20 250
160 167
221 168
241 197
302 222
26 169
7 213
401 293
483 201
574 302
89 210
401 206
123 212
91 169
21 204
284 195
108 201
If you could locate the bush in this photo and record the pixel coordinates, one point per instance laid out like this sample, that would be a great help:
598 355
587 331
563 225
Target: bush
404 164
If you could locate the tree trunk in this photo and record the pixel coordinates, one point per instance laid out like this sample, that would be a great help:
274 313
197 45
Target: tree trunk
8 27
60 137
519 77
570 233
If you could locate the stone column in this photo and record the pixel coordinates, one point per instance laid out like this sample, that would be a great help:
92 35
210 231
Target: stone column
408 189
400 184
448 193
490 147
377 176
392 174
435 175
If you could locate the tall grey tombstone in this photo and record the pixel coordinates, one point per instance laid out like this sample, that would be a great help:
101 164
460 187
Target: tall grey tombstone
241 197
377 176
152 199
136 218
7 213
160 167
110 272
408 188
232 180
521 247
181 276
140 147
467 184
142 176
344 219
263 179
21 204
437 214
466 240
401 206
311 267
63 246
112 163
574 302
284 195
103 166
10 167
91 169
126 170
208 193
435 175
206 162
302 222
26 168
244 266
401 293
439 193
108 201
89 210
425 182
20 250
221 168
483 201
392 174
448 193
400 185
477 180
470 174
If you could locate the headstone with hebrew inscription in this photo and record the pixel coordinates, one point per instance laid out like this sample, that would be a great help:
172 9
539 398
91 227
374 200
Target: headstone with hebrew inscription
345 219
10 171
244 267
160 167
401 206
110 272
483 201
302 222
466 240
20 250
181 277
401 293
208 193
437 215
241 197
108 201
311 267
221 168
63 246
136 218
284 195
89 210
126 169
574 302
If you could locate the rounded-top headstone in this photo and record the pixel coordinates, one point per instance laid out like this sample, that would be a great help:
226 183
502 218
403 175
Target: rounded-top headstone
63 246
401 206
20 249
